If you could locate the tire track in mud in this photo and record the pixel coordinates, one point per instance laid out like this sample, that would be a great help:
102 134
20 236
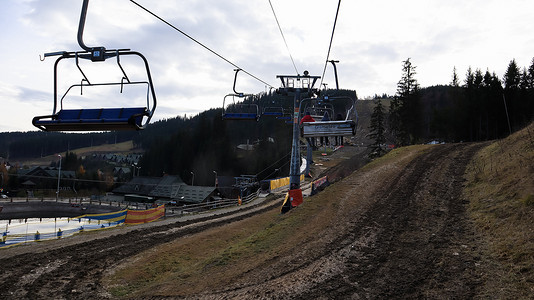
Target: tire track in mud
413 241
76 271
423 245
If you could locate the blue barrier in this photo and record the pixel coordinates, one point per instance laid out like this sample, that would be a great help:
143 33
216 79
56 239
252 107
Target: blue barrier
41 231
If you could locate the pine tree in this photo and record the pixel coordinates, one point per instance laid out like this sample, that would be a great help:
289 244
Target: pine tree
455 81
469 78
512 80
405 109
531 74
377 129
512 77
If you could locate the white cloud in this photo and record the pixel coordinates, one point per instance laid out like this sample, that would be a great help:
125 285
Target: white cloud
371 40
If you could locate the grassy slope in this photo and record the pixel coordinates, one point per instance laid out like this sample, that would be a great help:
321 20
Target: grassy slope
500 189
218 257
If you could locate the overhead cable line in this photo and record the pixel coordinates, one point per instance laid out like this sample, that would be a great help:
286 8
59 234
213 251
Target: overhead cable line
196 41
283 37
276 170
330 46
273 164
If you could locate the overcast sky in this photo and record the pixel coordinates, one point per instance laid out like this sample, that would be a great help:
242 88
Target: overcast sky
372 39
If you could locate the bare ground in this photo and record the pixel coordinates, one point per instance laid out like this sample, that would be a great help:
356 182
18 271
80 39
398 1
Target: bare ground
399 230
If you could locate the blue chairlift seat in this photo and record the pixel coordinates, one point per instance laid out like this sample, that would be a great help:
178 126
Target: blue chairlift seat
99 119
239 111
288 119
240 116
273 111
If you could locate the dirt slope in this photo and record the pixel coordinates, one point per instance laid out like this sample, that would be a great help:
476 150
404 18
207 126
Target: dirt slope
396 229
406 237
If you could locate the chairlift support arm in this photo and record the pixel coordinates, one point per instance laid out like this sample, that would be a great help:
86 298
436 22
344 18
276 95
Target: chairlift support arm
235 80
97 53
335 71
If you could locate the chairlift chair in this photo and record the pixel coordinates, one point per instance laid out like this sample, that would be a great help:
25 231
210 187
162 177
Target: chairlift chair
238 110
345 127
284 117
275 111
97 119
319 109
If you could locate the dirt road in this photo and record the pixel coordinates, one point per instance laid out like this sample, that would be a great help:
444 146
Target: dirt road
401 232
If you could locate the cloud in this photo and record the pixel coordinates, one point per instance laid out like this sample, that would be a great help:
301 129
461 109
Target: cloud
371 40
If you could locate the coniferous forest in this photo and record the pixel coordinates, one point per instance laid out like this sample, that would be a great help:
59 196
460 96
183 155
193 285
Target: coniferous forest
481 106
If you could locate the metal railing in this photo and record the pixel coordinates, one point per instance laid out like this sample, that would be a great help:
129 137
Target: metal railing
190 208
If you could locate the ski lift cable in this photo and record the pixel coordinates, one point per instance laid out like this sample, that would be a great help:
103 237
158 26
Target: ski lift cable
199 43
276 170
331 39
283 37
272 165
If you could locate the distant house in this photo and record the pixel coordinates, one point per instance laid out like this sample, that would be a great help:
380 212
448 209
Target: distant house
119 158
122 172
138 186
171 188
195 194
44 177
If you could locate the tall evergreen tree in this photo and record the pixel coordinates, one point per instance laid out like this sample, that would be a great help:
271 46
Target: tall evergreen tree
377 130
405 109
469 78
531 74
515 105
512 77
455 81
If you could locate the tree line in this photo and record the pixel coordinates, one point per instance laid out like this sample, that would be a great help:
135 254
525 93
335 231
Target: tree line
482 107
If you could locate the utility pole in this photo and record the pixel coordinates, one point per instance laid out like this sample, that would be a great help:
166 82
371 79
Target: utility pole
298 86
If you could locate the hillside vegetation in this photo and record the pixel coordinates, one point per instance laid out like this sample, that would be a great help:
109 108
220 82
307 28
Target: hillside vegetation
499 193
500 188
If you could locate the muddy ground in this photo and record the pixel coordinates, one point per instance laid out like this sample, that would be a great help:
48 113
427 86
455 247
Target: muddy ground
407 236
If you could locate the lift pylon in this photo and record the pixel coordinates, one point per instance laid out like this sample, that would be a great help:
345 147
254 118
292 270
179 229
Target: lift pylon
298 85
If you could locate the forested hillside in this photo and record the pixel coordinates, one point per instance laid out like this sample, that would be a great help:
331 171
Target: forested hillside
481 107
209 144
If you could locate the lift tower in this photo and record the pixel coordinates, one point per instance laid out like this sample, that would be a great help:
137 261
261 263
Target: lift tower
299 86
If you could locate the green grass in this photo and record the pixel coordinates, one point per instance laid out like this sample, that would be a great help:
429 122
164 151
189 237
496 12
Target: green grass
500 189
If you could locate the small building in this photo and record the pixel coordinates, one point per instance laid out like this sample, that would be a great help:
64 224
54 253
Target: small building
195 194
45 177
167 188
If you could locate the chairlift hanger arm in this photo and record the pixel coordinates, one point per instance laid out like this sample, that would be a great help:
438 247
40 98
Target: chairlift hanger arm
235 80
81 26
335 71
97 53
